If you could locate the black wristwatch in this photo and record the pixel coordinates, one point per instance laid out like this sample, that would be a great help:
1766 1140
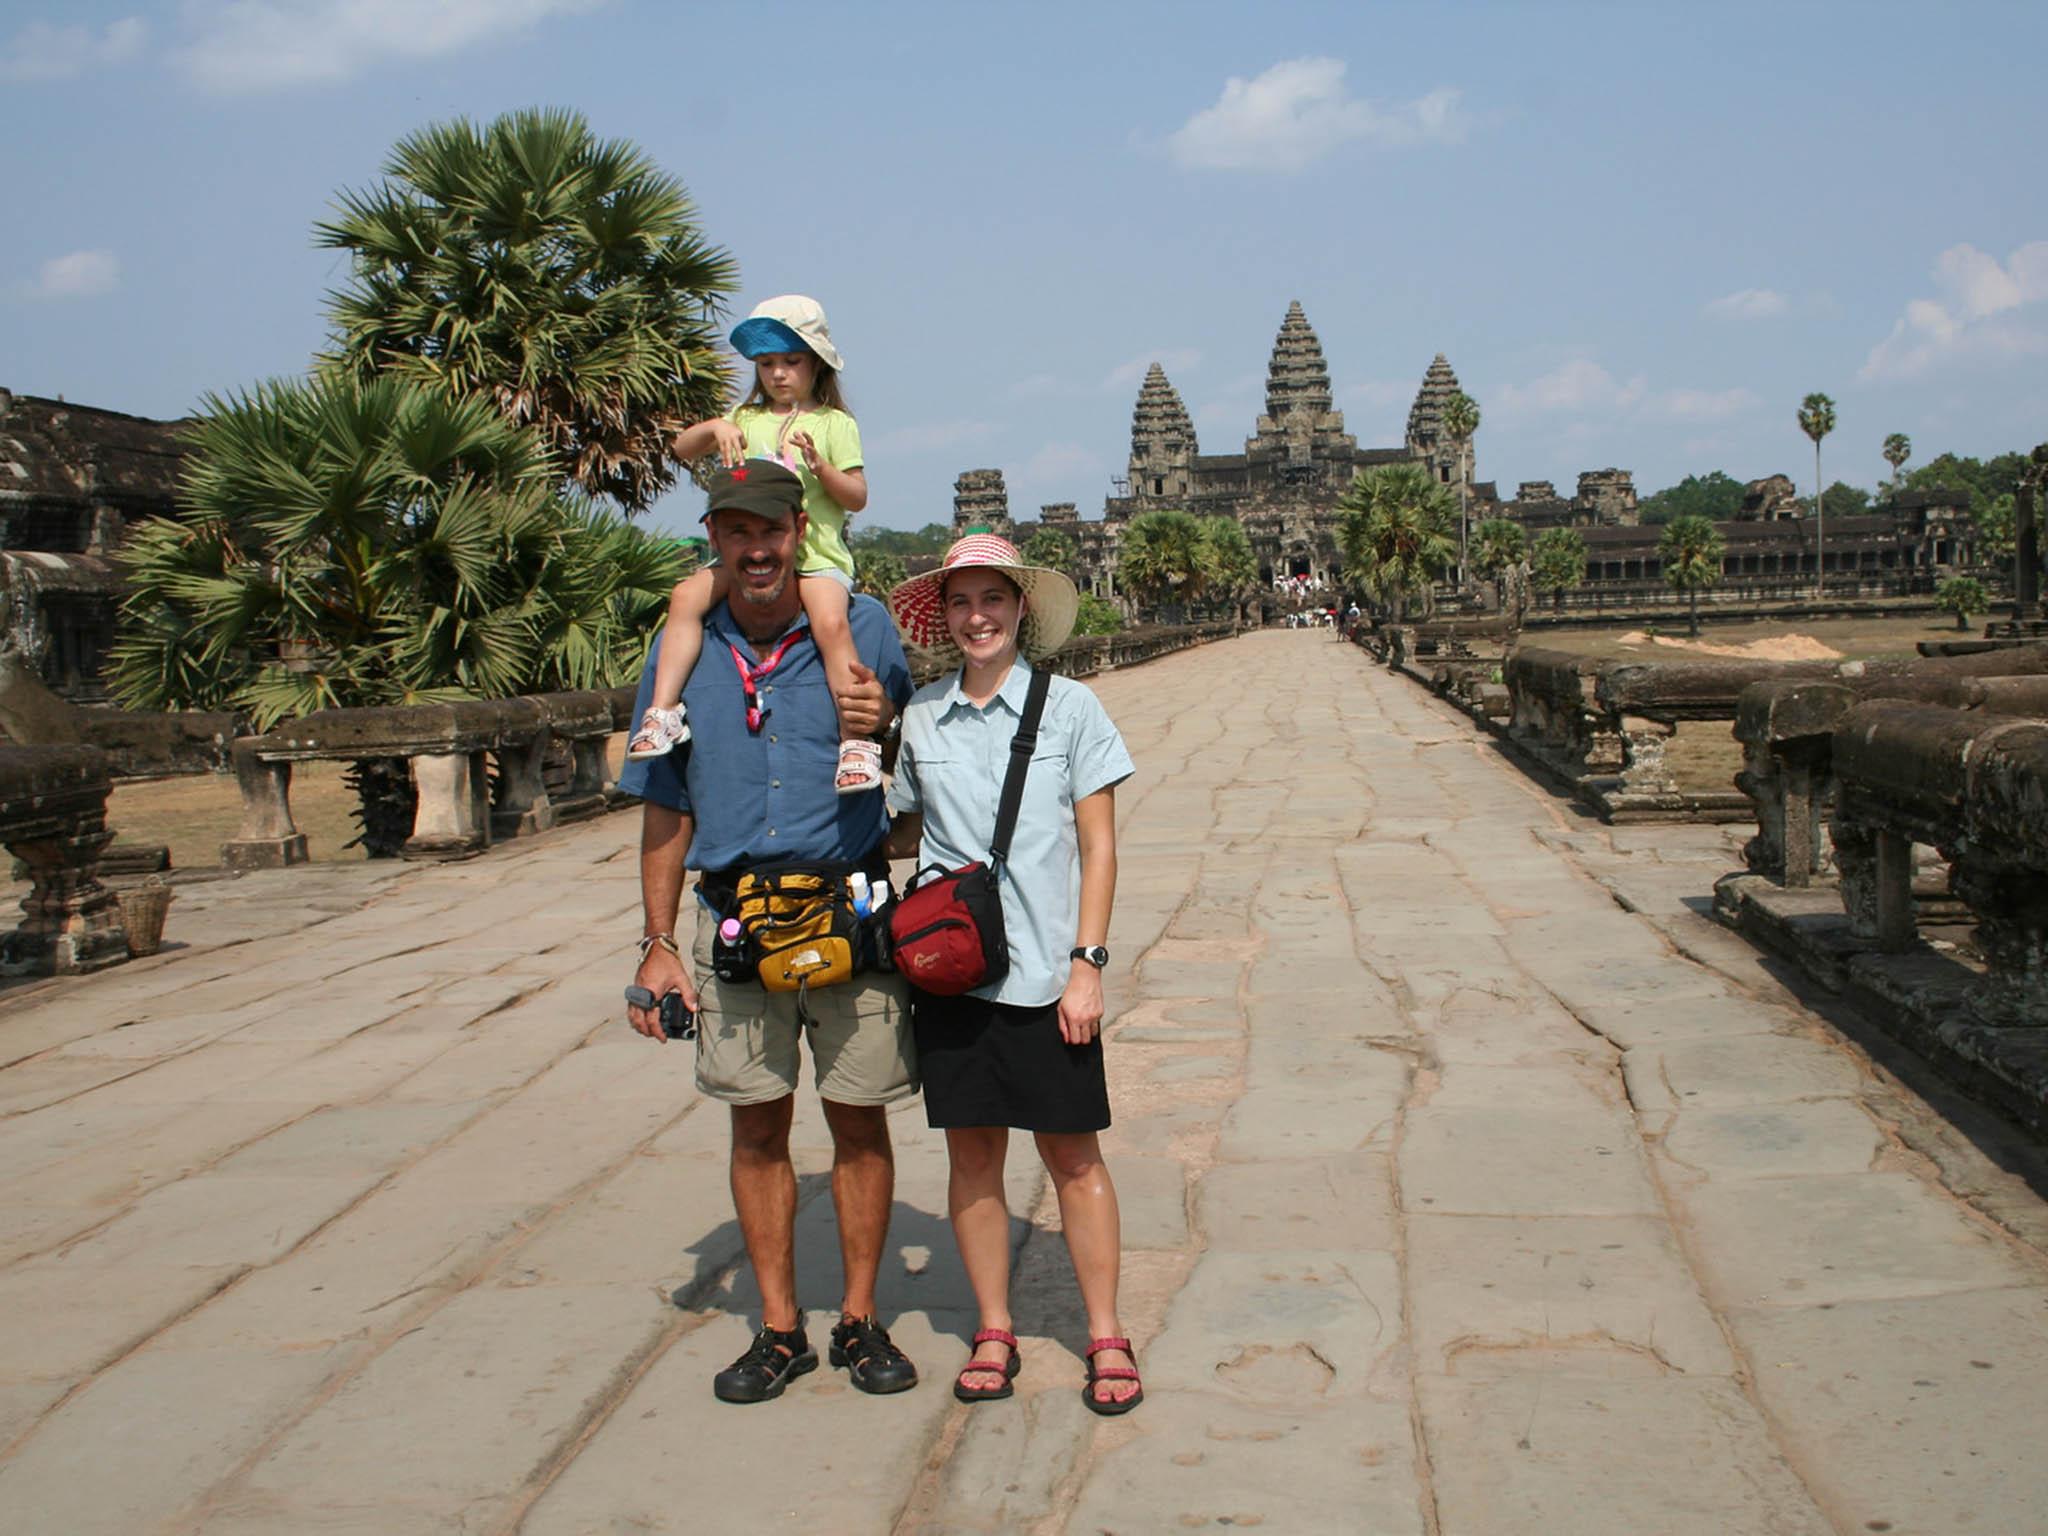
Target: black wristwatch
1096 955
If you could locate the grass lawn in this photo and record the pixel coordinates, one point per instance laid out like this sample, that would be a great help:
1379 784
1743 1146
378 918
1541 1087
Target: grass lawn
195 815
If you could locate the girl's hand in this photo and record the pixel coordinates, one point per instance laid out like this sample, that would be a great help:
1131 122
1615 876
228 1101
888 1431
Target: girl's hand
1081 1004
730 442
801 441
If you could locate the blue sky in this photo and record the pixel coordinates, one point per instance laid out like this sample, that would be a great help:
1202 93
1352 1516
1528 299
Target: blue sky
1641 232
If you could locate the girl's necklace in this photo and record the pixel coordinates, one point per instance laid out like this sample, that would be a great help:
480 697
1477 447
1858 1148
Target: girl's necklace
783 433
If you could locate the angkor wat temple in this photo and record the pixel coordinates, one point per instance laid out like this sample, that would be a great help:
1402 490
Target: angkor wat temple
1285 484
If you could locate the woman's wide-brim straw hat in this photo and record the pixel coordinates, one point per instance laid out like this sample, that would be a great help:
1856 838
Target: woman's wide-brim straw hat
919 604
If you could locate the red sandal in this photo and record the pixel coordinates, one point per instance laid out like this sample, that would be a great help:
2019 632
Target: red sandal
1110 1407
1008 1372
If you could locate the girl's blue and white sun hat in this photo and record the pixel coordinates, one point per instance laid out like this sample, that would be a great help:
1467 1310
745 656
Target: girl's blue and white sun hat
789 322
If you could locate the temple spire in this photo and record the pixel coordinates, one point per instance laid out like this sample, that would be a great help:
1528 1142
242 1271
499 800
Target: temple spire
1426 416
1162 440
1297 378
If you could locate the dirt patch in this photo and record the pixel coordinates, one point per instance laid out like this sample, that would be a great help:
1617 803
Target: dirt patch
1790 647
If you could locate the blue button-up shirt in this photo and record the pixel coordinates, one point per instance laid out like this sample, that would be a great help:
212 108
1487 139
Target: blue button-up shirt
769 794
950 768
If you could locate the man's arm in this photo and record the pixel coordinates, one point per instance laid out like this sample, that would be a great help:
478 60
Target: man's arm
665 836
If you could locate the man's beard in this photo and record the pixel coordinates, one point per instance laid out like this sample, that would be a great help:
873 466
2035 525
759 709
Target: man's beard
763 597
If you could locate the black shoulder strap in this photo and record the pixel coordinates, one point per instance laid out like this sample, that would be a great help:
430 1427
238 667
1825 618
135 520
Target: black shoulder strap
1022 745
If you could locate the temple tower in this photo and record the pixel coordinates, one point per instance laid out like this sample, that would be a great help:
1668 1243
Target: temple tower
1162 443
981 500
1451 463
1301 429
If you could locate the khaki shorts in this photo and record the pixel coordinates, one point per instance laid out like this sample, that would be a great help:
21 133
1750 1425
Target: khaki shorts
747 1052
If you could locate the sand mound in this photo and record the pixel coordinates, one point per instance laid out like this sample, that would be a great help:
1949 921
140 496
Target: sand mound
1771 648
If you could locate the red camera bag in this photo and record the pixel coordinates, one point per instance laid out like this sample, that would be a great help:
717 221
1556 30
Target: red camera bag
947 931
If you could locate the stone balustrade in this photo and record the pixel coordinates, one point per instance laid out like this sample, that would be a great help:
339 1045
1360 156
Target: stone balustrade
451 748
53 818
1974 786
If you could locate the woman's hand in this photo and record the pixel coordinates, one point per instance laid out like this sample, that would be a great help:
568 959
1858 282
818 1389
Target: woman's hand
1081 1004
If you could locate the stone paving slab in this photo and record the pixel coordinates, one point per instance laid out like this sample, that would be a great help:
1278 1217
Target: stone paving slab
1473 1182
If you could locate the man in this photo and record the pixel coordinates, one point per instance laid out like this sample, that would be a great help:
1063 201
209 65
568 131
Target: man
756 784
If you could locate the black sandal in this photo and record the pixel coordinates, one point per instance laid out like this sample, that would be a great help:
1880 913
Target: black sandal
766 1368
1008 1371
872 1363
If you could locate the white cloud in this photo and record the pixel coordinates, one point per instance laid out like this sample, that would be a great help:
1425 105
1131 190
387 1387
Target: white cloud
1174 360
1579 385
1977 312
268 45
1701 404
77 275
1581 388
1749 304
929 437
1297 112
40 51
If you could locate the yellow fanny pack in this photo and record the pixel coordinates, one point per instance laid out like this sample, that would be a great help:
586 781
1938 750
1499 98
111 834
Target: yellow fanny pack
799 924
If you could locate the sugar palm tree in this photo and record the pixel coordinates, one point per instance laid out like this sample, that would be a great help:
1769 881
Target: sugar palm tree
1233 568
383 543
1052 549
1395 531
1897 449
1691 551
1500 545
1559 562
1460 424
1817 420
559 276
1164 561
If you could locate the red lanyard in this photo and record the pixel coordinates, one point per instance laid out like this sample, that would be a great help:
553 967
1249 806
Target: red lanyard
751 675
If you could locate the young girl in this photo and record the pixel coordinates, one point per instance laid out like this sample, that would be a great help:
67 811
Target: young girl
795 416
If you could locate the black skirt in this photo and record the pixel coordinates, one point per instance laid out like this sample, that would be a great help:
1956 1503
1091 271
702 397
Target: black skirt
987 1063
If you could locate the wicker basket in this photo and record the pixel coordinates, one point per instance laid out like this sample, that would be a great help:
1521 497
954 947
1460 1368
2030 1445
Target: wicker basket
142 915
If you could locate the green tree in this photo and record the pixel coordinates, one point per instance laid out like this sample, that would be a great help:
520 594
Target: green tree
1163 561
1817 420
877 574
1397 529
1461 425
1962 596
559 276
931 539
1559 562
1997 531
1690 552
1498 545
1842 500
1098 616
1053 550
1897 449
1233 568
1714 496
1985 479
381 543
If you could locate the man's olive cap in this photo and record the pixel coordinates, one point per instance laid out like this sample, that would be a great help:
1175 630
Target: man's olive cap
760 486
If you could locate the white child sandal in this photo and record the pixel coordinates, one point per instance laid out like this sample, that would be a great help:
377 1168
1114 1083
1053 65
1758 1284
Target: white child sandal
860 766
661 731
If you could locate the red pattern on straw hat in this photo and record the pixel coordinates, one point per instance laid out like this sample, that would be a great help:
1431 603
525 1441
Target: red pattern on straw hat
919 604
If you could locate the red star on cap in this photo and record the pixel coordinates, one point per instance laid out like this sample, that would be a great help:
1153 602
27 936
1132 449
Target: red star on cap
740 474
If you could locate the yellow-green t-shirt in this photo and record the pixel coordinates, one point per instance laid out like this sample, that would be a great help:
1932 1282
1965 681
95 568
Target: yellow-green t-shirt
837 437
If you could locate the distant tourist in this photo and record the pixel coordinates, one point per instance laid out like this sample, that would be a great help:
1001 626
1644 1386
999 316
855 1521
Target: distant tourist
793 416
1025 1052
755 788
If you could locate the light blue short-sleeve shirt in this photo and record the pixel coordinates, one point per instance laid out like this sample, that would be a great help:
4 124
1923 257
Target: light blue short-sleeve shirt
949 769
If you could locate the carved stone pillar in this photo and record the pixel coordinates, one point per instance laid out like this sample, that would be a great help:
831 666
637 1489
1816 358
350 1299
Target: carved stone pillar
53 817
1856 865
1643 769
453 820
2010 904
522 807
1897 929
268 837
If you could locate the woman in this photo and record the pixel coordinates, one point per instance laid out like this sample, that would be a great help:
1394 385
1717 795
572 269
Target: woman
1026 1051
